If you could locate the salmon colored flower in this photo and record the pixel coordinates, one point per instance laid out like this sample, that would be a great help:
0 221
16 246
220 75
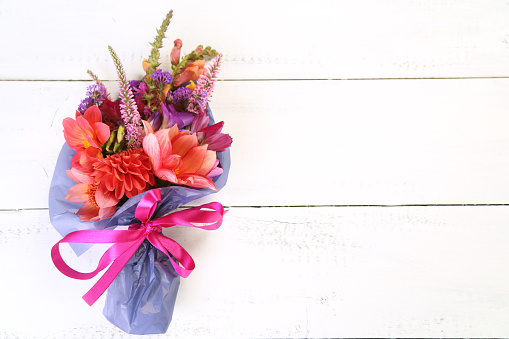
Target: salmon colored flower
97 204
175 51
192 72
128 172
177 157
86 131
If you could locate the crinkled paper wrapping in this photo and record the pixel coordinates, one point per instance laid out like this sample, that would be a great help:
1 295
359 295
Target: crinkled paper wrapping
141 299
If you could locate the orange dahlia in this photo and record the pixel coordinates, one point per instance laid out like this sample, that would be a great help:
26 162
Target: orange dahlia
128 172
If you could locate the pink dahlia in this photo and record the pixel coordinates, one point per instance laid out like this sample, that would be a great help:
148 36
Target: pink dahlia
177 157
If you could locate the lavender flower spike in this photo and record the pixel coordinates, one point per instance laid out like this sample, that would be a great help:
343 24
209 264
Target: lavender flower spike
128 108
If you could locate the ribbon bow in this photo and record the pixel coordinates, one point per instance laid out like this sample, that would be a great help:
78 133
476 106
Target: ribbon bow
126 242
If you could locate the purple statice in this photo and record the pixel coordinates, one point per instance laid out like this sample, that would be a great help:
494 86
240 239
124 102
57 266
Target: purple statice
128 107
95 96
180 95
161 77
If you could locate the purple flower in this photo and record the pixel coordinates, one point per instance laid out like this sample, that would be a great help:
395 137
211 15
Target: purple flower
95 96
160 76
180 95
171 117
213 137
134 84
210 135
142 88
155 120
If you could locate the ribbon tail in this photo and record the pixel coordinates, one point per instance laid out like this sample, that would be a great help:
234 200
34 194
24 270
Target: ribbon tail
111 273
185 264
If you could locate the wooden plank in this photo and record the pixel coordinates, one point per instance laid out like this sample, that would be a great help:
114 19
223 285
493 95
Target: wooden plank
306 142
270 40
290 272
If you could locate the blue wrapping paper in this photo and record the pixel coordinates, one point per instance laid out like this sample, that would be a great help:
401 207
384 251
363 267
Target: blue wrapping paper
142 297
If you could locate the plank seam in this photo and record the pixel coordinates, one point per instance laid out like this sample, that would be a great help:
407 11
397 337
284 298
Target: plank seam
311 206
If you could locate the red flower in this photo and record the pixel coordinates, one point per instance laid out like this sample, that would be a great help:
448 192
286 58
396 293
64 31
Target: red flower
128 172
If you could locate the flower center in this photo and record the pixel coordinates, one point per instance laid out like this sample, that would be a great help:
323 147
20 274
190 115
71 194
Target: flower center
91 194
86 144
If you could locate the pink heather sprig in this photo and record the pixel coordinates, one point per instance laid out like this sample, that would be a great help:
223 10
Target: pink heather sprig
204 86
128 107
214 68
99 82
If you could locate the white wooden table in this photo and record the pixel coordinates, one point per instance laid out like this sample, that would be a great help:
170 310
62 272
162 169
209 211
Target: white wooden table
369 193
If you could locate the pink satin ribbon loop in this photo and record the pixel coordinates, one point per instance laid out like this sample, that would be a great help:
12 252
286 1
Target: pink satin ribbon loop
126 242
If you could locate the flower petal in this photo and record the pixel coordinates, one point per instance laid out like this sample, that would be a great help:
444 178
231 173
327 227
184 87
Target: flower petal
152 149
105 198
73 134
93 114
208 163
77 193
193 160
166 174
88 212
196 180
103 132
183 143
107 212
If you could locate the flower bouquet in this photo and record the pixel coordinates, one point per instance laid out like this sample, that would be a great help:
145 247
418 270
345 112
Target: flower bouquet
132 162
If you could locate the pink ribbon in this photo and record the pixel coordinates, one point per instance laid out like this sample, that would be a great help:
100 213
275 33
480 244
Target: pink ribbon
126 242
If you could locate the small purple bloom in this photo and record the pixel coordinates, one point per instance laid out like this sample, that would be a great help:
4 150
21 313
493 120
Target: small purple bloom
181 94
134 84
161 76
95 95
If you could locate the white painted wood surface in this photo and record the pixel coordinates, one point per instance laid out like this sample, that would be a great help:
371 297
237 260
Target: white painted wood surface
302 137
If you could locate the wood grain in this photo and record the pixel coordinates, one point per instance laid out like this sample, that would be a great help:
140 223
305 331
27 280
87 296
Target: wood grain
287 39
343 143
330 104
291 272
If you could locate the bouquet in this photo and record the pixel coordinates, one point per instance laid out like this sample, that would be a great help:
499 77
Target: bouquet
132 162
